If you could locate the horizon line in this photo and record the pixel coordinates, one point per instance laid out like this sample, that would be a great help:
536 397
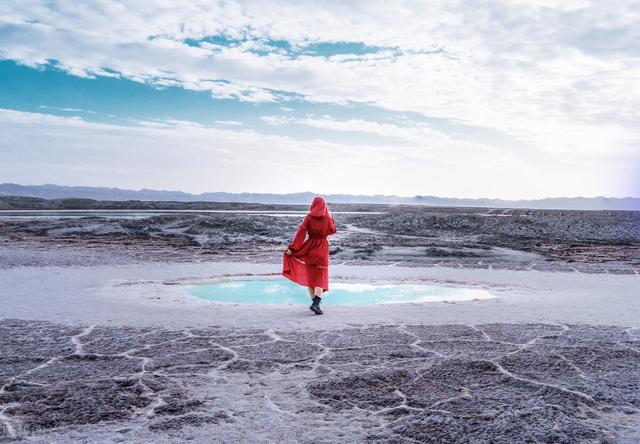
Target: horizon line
321 194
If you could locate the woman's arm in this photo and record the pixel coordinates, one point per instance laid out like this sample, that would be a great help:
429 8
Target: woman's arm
298 240
332 226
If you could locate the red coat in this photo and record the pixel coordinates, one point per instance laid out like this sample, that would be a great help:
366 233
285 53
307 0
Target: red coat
308 265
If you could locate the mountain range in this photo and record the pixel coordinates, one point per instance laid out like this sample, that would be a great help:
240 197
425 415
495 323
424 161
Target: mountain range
50 191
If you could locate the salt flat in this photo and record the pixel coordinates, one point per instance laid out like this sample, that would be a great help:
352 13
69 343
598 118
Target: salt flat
99 342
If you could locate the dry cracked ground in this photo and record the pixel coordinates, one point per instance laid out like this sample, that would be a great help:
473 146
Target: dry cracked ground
499 383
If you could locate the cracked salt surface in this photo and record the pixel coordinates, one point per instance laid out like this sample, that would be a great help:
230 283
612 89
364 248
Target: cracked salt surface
281 291
123 357
498 382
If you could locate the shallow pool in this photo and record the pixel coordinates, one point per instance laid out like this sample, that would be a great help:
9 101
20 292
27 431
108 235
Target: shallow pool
286 292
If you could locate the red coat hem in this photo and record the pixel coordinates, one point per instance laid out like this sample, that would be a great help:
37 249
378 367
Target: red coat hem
296 270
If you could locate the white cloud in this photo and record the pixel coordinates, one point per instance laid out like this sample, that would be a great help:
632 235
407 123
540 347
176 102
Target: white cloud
188 156
563 141
228 122
71 110
278 120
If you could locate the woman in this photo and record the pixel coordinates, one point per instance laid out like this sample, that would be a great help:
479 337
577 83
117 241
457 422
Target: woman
306 262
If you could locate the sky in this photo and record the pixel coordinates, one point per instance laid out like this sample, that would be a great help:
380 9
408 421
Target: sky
512 99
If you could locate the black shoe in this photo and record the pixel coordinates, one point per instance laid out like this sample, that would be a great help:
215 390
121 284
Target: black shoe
315 307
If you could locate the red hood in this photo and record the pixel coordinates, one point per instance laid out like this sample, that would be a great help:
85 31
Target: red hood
318 207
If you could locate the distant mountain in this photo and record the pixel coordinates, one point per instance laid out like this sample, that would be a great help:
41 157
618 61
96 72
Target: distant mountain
116 194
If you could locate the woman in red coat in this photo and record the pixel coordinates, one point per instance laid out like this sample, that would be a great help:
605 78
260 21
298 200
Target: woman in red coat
306 262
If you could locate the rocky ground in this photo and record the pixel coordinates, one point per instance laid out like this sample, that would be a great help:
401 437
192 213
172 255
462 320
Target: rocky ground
423 236
499 383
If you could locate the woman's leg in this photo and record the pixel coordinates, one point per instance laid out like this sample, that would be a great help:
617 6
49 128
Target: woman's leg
311 292
316 294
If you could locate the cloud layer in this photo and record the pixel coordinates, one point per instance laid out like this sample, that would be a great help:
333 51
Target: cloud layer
194 158
559 77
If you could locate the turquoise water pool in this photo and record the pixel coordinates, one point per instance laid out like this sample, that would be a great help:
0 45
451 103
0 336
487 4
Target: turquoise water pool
286 292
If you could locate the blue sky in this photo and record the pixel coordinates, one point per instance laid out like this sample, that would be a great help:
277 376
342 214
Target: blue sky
511 99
